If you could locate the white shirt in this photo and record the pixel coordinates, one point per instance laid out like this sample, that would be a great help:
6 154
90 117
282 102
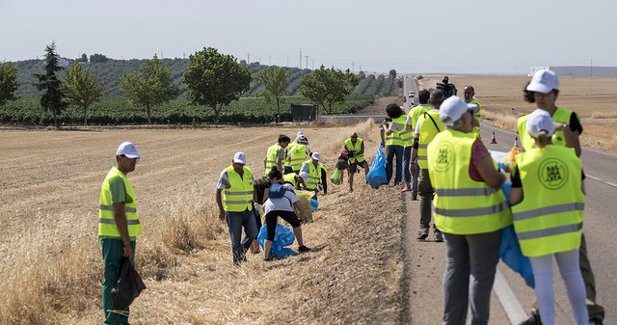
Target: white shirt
284 203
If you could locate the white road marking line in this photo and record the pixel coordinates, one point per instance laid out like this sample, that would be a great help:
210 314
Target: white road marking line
513 308
601 180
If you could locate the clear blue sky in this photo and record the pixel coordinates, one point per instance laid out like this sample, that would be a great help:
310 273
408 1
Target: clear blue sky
483 36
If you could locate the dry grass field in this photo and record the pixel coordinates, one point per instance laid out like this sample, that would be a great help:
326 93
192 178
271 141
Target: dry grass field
52 268
594 99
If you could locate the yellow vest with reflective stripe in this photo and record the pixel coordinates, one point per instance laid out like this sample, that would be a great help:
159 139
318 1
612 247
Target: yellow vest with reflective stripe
239 196
107 223
297 156
271 157
354 148
394 139
462 206
561 115
291 179
428 131
474 101
550 217
314 175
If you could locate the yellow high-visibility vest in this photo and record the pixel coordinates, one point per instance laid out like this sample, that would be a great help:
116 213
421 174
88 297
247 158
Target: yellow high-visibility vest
394 139
297 156
271 157
413 116
561 115
462 205
349 145
291 179
314 175
427 132
239 197
549 219
107 223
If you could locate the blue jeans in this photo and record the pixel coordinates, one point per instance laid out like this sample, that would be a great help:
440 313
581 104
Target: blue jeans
392 151
235 222
406 161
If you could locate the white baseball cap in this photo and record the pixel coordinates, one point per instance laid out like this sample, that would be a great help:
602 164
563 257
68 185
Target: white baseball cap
127 149
316 156
453 108
544 81
540 120
299 134
240 158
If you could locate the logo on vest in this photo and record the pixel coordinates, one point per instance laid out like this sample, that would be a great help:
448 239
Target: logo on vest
553 174
445 157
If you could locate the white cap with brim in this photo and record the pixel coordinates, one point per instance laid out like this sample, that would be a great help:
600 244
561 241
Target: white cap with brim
544 81
127 149
540 120
316 156
239 158
305 176
453 108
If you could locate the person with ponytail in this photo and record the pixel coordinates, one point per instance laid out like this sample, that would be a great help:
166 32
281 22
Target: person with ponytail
547 211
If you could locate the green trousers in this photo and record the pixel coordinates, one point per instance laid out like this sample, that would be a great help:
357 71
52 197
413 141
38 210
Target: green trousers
595 311
113 249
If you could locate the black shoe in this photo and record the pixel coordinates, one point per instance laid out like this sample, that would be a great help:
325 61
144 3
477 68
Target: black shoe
422 235
350 190
596 321
534 319
414 196
438 237
303 249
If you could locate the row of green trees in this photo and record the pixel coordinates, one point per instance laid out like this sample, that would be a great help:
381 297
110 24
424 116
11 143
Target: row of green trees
212 79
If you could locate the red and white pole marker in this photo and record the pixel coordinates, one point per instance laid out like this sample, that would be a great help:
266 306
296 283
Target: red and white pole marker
493 140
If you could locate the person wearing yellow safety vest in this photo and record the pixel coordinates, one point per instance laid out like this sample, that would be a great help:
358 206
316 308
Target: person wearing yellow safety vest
391 136
548 201
470 210
119 225
469 92
428 126
311 173
294 179
297 153
412 120
355 157
235 197
543 90
275 156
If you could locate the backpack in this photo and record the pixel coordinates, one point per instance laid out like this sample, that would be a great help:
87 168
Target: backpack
277 191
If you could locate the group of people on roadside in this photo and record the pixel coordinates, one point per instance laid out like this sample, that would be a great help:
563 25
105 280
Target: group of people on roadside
460 186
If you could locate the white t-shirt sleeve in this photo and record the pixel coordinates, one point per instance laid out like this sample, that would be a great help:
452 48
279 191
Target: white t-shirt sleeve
223 181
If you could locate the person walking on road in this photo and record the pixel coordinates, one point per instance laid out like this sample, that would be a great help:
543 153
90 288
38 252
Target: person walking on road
275 156
235 197
470 210
543 90
355 157
119 225
547 207
428 126
412 120
391 136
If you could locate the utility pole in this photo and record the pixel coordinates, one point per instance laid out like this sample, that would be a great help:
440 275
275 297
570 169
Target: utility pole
312 63
306 57
353 67
248 58
300 61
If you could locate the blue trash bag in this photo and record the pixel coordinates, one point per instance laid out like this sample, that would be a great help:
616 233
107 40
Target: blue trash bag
377 173
283 237
510 249
314 204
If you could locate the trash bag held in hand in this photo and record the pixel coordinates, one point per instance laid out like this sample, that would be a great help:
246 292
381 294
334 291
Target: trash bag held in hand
128 286
282 237
335 178
377 173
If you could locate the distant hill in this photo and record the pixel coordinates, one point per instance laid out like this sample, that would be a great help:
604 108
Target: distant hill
110 73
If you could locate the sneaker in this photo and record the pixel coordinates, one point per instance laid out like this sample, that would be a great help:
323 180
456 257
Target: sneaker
438 237
595 321
534 319
422 234
303 249
414 196
350 190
